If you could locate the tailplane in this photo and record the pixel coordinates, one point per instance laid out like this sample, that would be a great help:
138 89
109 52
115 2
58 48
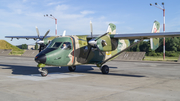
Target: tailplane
155 41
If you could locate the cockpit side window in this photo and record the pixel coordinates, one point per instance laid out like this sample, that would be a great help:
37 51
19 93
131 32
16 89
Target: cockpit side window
66 45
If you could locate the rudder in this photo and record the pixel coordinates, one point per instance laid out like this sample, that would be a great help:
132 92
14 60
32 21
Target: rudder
111 28
154 42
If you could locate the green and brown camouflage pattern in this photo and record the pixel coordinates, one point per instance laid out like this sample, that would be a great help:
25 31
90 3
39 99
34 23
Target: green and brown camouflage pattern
78 53
107 41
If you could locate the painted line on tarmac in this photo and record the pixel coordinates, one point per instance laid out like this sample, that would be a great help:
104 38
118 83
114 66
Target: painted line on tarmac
38 77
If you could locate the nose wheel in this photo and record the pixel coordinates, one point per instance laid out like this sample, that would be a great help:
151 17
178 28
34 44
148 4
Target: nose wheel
72 68
44 72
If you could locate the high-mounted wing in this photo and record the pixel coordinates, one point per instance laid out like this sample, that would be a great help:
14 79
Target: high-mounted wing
141 35
26 37
146 35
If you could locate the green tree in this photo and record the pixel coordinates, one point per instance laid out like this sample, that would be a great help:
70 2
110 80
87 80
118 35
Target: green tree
24 46
36 46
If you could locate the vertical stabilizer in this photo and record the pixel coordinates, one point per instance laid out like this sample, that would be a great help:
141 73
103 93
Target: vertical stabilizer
155 41
111 28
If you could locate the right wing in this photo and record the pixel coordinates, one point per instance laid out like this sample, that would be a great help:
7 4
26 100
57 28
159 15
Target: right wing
145 35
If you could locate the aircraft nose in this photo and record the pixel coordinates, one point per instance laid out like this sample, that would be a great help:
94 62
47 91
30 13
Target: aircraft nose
40 58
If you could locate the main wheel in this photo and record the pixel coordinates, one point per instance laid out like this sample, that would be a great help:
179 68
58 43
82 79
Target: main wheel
105 69
44 72
72 68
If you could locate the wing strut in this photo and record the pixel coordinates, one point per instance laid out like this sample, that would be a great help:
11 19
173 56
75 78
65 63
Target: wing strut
121 52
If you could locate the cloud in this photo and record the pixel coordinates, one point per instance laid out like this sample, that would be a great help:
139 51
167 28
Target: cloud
87 12
18 11
10 25
54 3
24 1
62 7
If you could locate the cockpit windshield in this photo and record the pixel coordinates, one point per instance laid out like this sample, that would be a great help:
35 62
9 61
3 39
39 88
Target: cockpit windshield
54 45
62 45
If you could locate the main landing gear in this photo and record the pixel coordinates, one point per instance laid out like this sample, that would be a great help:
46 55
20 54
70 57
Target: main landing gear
104 69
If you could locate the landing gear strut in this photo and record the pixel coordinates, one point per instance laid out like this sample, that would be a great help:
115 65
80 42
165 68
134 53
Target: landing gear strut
105 69
72 68
44 72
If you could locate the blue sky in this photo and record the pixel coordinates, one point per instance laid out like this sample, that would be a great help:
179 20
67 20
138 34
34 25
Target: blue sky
19 17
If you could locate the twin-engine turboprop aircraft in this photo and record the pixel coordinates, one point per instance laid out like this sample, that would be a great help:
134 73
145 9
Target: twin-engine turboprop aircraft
88 49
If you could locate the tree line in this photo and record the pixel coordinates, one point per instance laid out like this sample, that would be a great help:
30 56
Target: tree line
172 47
25 46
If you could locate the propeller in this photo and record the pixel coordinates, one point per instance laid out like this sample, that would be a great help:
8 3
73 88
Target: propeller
40 41
93 42
91 29
91 38
37 32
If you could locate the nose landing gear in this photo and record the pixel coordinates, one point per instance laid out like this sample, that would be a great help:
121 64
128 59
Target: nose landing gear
44 72
72 68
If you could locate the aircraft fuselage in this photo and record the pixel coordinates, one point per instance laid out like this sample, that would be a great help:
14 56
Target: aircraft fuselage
74 50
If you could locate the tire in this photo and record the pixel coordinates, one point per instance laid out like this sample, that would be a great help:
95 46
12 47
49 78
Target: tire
105 69
72 68
44 73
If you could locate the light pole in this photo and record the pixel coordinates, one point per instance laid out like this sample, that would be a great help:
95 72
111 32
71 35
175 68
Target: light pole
52 17
162 8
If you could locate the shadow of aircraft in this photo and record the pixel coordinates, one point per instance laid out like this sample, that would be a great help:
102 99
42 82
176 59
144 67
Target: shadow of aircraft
28 70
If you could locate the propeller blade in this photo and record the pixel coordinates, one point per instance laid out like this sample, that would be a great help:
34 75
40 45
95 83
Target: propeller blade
101 36
64 33
88 52
40 48
37 32
91 29
46 34
99 50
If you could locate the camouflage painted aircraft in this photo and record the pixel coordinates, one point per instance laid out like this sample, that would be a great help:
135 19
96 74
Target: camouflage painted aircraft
88 49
